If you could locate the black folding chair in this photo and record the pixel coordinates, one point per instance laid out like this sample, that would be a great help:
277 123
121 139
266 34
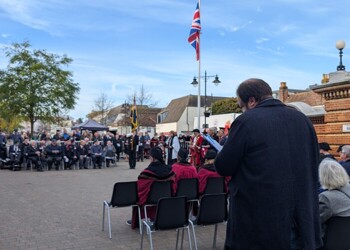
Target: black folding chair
159 189
124 195
215 185
189 188
171 214
212 211
337 236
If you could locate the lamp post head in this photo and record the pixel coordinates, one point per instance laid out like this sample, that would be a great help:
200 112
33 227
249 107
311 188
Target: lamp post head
194 82
340 44
216 81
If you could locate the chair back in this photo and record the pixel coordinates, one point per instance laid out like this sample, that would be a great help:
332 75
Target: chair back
124 194
159 189
213 209
171 213
337 234
188 187
215 185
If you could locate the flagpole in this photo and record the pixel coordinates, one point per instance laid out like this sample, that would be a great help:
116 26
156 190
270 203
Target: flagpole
199 77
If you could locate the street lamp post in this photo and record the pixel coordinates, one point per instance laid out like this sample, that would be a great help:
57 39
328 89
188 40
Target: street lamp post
195 83
340 45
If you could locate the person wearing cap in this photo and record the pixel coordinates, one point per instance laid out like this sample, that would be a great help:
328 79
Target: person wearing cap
182 168
16 136
208 170
172 146
195 148
324 148
157 170
54 154
272 156
339 150
345 158
57 136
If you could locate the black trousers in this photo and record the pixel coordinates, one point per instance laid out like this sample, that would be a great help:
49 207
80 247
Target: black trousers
132 160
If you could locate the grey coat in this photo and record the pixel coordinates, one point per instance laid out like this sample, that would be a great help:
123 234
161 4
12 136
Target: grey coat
334 203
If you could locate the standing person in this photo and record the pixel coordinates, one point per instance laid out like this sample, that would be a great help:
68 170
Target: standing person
131 144
141 148
172 146
273 193
117 143
195 148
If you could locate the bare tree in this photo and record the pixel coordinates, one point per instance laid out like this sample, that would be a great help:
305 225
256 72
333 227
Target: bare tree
102 105
144 100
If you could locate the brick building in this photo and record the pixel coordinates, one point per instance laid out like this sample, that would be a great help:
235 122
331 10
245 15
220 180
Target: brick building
327 105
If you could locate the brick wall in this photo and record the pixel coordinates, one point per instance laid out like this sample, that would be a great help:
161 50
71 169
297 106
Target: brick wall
337 114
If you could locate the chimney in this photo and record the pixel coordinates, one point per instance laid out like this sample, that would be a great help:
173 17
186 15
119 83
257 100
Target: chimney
283 92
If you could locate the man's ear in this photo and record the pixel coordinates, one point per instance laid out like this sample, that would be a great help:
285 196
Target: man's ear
252 103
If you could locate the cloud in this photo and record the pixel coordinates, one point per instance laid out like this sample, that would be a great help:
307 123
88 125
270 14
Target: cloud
262 40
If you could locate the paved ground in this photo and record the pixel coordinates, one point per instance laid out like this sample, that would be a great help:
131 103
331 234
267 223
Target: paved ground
63 210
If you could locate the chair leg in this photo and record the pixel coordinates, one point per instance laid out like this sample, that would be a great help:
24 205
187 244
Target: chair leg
109 222
189 237
103 216
182 239
142 233
177 238
194 235
140 219
215 232
150 239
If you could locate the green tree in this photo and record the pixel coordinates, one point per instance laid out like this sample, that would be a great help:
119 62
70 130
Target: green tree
35 86
225 106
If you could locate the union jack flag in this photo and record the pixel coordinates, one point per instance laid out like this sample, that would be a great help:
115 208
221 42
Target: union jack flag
133 116
193 38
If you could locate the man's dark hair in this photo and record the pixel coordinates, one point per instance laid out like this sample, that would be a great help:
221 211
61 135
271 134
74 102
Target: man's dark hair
254 87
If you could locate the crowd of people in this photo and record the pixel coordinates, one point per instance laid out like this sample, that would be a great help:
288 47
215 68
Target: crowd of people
270 159
273 163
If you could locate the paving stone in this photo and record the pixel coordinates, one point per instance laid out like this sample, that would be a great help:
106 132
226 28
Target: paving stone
56 210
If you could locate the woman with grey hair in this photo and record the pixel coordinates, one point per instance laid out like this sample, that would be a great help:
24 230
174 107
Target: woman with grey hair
335 201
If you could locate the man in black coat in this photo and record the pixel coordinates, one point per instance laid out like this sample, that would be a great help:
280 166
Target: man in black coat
272 156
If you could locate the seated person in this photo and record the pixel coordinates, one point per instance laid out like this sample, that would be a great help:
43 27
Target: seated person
15 154
96 154
83 150
182 168
71 154
109 153
156 171
54 154
33 155
208 170
335 201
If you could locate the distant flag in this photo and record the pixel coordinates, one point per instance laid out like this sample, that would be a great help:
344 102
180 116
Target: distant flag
194 36
133 116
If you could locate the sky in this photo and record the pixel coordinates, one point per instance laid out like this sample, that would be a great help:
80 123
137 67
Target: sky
118 46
